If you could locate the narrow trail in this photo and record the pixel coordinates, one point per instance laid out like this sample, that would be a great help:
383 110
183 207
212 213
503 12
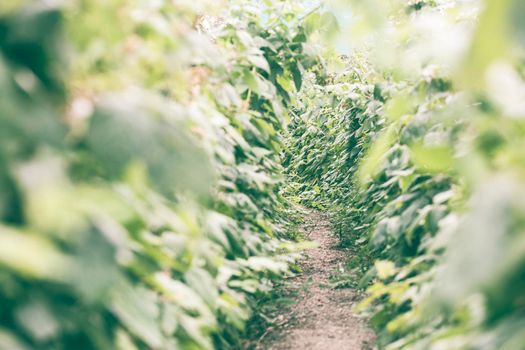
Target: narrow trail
321 317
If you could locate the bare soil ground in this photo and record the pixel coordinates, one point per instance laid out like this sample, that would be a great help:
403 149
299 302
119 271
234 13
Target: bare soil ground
319 317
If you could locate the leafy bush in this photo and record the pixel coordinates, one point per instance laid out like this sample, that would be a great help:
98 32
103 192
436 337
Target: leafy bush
416 145
139 169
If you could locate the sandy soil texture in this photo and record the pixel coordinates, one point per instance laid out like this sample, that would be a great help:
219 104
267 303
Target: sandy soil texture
321 317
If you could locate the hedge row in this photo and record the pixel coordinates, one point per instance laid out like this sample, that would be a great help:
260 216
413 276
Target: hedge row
139 169
421 162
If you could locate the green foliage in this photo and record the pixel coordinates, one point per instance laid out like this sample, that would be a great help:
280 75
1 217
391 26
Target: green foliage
417 148
139 169
144 144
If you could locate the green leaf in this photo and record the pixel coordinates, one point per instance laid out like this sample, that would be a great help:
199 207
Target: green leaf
432 158
297 75
385 269
39 258
137 309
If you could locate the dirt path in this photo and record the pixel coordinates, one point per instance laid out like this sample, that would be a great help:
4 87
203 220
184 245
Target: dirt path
321 317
